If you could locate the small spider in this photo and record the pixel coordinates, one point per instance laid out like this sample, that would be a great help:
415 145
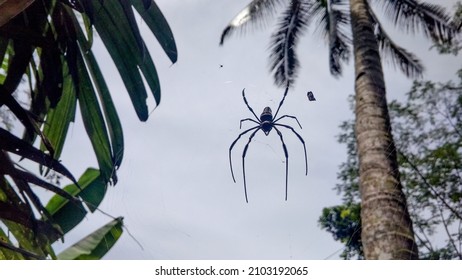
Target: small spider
266 122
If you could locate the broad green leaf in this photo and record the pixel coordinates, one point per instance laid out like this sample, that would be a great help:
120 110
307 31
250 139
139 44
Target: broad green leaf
95 245
68 214
92 191
94 122
58 119
65 213
13 144
159 27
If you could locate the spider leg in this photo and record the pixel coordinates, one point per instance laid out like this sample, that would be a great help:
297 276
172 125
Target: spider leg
282 101
231 148
288 116
247 103
301 140
243 161
248 119
287 156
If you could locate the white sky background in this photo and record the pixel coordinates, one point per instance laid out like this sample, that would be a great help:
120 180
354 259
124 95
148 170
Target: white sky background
175 188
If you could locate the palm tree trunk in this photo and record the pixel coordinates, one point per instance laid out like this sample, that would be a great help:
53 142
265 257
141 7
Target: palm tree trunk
386 226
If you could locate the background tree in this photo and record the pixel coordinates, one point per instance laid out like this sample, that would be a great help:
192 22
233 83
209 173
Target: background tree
386 226
48 44
428 134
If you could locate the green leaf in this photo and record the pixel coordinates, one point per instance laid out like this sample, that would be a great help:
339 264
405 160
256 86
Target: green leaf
110 112
159 27
68 214
94 122
126 55
6 254
127 10
92 191
129 52
58 119
150 73
95 245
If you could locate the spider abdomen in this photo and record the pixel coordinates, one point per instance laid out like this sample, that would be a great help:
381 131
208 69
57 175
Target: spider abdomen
266 126
266 119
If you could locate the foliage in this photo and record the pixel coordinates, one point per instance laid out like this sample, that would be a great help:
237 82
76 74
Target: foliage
456 45
332 20
45 53
428 135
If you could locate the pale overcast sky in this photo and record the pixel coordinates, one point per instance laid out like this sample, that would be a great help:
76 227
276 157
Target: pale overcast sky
175 188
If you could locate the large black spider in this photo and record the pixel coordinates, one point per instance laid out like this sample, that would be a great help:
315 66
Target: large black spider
266 122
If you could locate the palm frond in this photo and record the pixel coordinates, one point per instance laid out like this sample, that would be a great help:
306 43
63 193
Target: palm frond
255 13
414 16
408 63
333 22
283 59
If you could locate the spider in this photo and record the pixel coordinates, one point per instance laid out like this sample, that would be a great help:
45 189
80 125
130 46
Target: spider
266 123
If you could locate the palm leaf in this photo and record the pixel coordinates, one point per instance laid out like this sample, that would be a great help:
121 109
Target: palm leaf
95 245
94 123
413 16
283 59
333 21
407 62
124 51
255 13
156 21
110 113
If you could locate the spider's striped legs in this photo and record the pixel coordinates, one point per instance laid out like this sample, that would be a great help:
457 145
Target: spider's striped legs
301 140
247 103
231 148
282 101
288 116
243 161
287 157
248 119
